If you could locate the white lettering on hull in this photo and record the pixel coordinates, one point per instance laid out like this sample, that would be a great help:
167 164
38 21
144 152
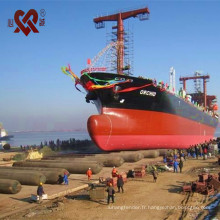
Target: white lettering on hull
149 93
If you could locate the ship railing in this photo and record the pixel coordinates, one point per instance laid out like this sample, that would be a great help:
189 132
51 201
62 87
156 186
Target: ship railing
201 108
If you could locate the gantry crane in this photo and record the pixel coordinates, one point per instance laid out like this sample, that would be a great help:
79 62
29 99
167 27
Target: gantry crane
119 17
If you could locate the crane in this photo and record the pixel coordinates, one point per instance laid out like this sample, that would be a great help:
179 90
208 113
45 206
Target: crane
205 77
120 17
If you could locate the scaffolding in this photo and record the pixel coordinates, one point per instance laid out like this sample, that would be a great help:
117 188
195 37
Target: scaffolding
197 82
111 57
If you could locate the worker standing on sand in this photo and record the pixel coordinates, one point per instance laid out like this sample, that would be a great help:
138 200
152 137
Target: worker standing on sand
40 192
181 165
205 153
65 179
175 166
197 151
182 156
111 193
114 172
154 173
120 183
89 173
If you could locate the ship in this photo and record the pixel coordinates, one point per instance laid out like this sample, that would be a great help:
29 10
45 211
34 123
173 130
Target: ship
137 113
4 134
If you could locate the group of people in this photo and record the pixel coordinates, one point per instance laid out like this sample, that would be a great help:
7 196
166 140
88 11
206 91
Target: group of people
205 150
177 164
64 179
57 145
176 161
120 183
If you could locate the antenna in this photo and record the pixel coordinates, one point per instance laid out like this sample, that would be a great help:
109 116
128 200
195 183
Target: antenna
172 79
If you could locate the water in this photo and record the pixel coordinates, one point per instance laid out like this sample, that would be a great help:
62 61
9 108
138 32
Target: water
32 138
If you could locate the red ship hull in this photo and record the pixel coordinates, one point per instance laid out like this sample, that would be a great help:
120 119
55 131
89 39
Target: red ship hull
129 129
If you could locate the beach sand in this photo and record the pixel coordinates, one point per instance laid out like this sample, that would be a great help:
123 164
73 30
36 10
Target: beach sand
142 199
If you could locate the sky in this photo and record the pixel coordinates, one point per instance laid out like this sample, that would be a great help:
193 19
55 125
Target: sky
35 94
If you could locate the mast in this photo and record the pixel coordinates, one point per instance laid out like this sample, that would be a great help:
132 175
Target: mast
120 17
172 79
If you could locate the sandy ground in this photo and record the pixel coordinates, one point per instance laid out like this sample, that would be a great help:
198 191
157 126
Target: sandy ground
142 199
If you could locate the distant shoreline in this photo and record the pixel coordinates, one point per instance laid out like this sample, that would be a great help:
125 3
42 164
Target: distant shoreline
47 131
36 137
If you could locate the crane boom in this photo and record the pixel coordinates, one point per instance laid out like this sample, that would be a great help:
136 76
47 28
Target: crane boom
124 15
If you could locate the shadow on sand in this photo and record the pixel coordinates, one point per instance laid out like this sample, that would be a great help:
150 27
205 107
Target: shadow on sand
28 199
176 188
87 198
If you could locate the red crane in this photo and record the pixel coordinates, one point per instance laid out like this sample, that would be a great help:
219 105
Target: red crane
119 17
204 85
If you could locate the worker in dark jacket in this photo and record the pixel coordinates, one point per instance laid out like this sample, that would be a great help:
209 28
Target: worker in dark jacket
154 173
120 183
181 165
111 193
40 192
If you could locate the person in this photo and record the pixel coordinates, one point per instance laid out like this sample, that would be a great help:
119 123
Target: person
114 172
181 165
154 173
200 151
175 166
131 174
60 179
65 179
120 183
89 173
182 156
219 146
40 192
111 193
205 153
188 152
196 152
165 158
175 157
